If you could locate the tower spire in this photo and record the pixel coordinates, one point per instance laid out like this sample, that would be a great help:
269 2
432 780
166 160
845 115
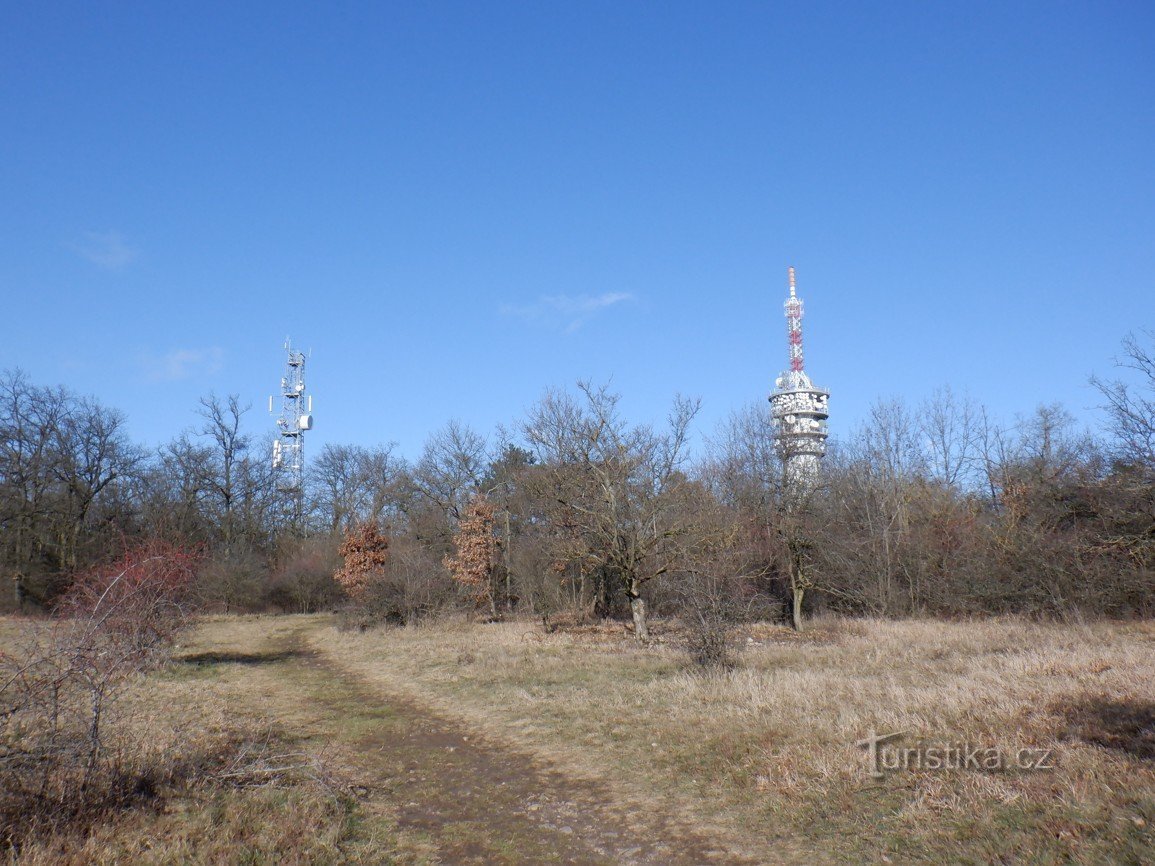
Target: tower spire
793 307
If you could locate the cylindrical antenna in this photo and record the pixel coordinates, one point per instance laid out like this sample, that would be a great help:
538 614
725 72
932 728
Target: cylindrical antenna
793 307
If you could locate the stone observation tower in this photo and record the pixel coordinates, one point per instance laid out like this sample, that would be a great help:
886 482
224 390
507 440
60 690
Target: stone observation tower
799 410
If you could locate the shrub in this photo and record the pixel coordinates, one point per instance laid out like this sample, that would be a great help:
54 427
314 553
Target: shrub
303 579
711 609
413 586
57 695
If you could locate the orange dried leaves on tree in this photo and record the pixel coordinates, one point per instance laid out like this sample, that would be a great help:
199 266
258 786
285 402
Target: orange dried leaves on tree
366 554
473 564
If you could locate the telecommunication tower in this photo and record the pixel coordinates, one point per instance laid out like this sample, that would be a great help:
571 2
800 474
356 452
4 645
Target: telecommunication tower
295 419
799 409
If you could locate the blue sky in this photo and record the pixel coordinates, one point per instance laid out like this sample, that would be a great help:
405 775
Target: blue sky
458 205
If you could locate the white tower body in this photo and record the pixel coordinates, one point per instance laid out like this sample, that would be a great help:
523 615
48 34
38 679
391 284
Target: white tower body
799 410
294 420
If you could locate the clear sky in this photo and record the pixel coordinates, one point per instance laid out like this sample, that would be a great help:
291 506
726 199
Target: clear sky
458 205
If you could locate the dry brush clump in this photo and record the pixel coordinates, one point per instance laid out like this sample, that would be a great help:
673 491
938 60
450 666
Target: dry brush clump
715 585
303 579
388 580
60 759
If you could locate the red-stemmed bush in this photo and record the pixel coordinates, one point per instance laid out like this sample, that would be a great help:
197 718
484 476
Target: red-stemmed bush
57 695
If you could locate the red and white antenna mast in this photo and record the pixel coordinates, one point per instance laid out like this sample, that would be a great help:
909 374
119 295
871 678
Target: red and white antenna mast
793 307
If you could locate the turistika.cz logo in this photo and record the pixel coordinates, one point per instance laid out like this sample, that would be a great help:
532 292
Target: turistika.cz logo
884 755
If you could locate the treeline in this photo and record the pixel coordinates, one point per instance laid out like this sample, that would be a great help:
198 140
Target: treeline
933 508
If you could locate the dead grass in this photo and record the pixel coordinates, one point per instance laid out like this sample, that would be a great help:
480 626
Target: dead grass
767 751
214 778
260 825
761 758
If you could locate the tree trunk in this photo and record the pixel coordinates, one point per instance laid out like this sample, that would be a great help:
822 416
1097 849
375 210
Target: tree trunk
797 592
638 611
505 555
493 600
797 588
603 594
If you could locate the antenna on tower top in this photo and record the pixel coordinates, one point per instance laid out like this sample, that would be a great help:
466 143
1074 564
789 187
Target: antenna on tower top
793 307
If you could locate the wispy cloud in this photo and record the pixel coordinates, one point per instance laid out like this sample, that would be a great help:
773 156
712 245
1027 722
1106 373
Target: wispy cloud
569 311
183 364
108 250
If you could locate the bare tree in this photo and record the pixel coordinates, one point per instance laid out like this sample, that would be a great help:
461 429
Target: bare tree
93 453
381 472
616 485
228 447
350 484
29 420
338 482
61 458
175 492
237 487
1050 449
451 467
889 460
1131 407
713 581
950 425
996 453
743 466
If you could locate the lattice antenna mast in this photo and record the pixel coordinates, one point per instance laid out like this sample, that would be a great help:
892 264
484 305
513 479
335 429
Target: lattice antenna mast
295 418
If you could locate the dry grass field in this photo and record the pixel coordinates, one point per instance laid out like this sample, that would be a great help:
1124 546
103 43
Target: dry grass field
467 743
764 757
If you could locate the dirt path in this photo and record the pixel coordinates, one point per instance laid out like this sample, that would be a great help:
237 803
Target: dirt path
460 798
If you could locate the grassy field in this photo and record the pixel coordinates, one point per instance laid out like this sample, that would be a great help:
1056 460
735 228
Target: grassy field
207 741
469 743
764 757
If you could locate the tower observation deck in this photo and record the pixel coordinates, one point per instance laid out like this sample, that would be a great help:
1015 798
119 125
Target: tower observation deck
799 409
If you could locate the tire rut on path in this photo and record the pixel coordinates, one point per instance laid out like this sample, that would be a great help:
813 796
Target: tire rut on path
477 802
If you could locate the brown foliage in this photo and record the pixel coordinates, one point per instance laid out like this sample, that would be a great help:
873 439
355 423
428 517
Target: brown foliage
476 557
366 554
